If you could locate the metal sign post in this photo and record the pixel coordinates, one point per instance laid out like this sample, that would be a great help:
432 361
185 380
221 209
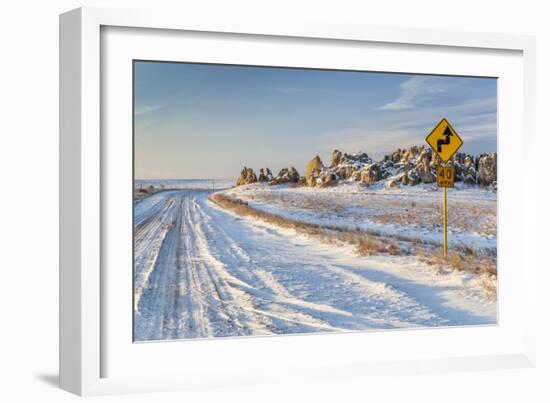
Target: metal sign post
445 179
445 142
444 222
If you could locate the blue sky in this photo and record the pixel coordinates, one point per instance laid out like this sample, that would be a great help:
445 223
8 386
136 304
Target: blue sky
207 121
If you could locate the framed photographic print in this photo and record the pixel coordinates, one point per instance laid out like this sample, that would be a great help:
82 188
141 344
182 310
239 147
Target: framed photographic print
303 237
237 199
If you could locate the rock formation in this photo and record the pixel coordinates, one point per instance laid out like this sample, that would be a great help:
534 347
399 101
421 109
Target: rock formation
371 174
326 178
487 169
265 175
247 176
286 175
313 169
335 158
408 166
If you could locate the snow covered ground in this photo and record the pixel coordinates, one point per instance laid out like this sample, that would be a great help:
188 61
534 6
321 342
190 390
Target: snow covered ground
201 271
185 183
413 212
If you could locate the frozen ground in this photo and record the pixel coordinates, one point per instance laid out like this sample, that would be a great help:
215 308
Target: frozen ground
185 183
413 212
201 271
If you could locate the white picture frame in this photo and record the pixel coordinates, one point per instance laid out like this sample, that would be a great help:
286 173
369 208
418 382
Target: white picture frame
86 302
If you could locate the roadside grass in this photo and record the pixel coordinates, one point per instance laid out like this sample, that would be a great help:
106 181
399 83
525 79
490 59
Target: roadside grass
484 267
366 244
463 259
143 193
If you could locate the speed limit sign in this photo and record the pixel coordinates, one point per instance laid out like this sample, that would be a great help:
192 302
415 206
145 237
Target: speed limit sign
446 177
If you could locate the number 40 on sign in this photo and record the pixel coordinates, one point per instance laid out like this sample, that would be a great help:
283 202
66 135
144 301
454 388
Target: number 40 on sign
446 177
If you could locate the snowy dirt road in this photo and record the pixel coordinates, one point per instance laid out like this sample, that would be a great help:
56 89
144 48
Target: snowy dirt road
203 272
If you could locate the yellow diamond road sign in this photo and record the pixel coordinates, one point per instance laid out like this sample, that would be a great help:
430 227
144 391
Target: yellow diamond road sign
444 140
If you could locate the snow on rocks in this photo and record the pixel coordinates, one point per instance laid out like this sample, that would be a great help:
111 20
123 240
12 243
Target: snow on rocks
247 176
265 175
408 166
313 170
487 169
286 175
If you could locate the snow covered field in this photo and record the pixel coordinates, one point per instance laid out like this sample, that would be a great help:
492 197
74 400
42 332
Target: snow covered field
412 212
201 271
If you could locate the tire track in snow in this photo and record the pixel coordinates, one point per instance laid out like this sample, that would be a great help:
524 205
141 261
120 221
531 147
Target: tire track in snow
153 319
252 292
149 236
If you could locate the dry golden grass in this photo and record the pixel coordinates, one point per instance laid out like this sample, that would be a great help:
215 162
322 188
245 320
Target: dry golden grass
489 285
488 267
393 249
367 246
467 260
142 193
456 261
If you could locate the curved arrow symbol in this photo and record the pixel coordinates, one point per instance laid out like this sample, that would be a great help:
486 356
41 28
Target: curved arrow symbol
447 133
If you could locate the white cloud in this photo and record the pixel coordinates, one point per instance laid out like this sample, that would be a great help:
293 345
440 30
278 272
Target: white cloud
474 119
140 110
414 91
